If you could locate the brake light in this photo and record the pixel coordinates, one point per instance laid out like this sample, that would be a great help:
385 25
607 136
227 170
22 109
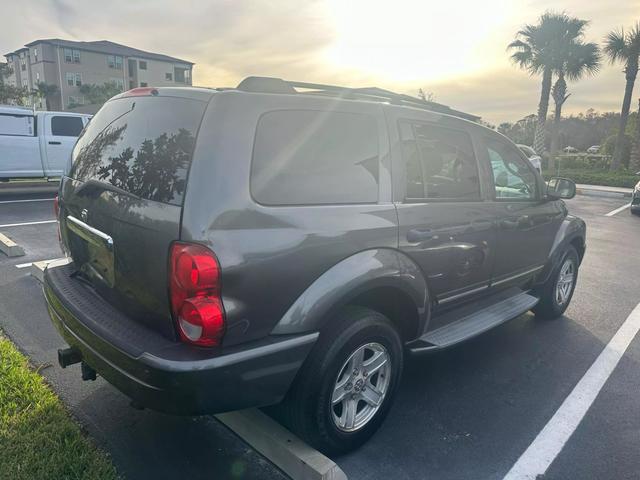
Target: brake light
56 206
141 92
194 289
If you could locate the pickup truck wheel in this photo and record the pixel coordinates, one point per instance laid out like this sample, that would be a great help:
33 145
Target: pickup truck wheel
345 388
556 294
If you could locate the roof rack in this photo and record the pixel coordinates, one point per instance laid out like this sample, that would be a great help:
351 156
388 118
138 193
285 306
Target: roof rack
278 85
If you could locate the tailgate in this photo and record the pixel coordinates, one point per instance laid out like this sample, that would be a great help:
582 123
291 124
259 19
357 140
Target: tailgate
121 209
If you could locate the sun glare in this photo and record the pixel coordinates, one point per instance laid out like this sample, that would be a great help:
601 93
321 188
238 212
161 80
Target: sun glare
412 41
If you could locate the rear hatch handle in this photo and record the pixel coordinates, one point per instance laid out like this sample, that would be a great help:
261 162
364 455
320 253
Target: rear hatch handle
90 234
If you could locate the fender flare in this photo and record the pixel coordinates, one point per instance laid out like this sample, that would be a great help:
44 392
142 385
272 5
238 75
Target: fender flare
570 229
352 276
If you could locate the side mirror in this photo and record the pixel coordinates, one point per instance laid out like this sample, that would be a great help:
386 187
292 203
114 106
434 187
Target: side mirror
559 187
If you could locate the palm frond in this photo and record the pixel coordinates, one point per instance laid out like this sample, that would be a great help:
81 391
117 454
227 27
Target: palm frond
615 45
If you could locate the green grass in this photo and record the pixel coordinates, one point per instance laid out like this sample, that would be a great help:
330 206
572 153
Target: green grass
38 439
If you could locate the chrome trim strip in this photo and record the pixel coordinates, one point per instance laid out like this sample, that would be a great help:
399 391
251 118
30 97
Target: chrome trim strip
108 241
463 294
518 275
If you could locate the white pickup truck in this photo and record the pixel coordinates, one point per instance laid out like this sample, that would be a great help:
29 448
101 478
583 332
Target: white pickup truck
37 144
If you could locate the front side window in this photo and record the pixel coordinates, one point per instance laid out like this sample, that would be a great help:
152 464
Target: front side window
439 163
64 126
512 176
304 157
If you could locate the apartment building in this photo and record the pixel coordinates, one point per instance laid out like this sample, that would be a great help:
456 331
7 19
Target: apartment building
69 65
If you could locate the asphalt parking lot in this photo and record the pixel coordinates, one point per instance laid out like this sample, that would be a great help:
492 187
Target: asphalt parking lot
469 412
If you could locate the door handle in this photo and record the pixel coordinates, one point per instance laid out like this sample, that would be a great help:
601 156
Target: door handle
55 143
417 235
523 221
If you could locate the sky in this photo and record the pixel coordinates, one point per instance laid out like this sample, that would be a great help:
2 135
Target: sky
453 49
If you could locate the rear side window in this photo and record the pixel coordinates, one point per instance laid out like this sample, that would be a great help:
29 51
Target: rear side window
439 163
66 126
142 145
305 157
17 125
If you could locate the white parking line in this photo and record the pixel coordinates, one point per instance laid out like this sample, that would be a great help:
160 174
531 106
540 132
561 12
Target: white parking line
550 441
28 200
27 223
617 210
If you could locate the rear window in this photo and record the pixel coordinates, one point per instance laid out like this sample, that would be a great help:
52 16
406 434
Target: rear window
17 125
312 157
142 145
66 126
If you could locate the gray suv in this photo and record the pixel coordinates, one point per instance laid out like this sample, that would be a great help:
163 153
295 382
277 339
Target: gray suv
288 244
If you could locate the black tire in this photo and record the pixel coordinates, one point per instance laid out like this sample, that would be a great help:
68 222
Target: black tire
635 211
307 409
548 307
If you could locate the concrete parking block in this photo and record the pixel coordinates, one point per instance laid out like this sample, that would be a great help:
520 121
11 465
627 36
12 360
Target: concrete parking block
281 447
37 268
9 247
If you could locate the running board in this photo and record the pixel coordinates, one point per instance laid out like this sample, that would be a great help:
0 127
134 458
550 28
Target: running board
470 323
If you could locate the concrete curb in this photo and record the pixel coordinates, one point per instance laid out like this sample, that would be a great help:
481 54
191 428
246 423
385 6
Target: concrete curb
9 247
281 447
602 193
37 268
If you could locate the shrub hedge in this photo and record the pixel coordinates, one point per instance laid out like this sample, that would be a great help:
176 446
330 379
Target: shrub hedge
596 177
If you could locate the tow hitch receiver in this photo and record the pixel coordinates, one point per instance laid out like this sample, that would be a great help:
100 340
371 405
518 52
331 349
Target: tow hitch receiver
68 356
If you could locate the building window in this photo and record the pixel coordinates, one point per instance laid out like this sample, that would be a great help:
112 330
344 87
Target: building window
75 101
168 76
118 81
35 54
144 84
23 65
24 83
71 55
114 61
74 79
37 77
142 64
181 75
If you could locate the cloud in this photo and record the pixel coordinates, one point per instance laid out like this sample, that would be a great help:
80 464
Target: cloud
231 39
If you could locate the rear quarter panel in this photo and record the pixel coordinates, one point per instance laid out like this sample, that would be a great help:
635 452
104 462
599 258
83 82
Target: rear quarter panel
271 254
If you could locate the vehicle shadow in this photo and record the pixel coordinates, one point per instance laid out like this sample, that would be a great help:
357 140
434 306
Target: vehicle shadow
469 412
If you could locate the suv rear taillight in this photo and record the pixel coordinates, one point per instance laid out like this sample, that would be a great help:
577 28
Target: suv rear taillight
194 289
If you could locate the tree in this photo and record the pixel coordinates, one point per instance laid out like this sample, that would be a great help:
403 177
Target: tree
539 49
99 94
12 95
46 91
624 48
5 71
426 97
634 160
580 59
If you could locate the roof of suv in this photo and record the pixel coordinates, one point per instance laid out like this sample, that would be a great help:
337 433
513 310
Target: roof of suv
269 85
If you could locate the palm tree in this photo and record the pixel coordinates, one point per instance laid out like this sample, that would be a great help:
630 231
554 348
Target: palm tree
580 59
46 91
624 48
634 160
540 49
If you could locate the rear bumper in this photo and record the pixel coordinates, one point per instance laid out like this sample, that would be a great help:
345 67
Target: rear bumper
165 375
